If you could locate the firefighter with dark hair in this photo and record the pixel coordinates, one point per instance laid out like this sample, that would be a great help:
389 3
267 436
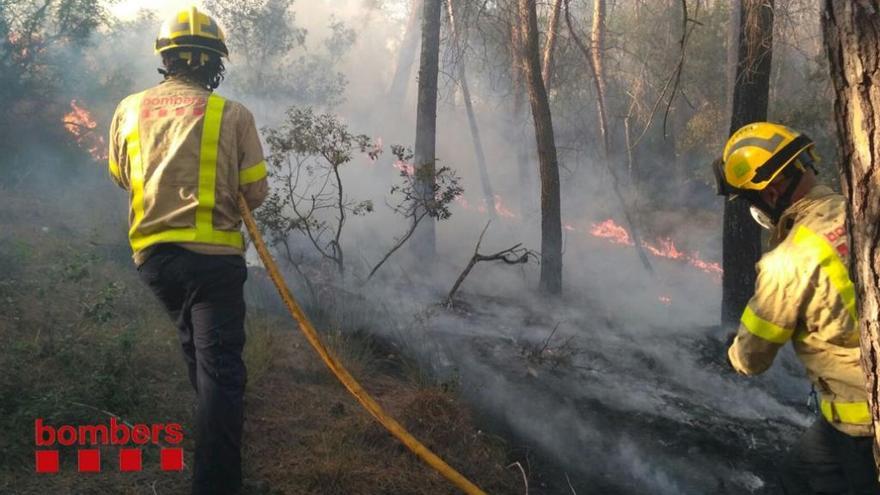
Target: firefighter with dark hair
804 295
184 154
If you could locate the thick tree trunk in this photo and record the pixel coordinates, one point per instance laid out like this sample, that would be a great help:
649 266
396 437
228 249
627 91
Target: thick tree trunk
426 123
488 195
742 235
551 221
406 55
550 47
852 40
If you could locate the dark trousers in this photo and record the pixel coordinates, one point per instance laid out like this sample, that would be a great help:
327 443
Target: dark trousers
204 296
827 461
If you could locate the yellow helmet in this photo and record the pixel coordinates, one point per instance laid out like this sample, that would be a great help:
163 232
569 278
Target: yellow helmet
753 157
190 28
756 154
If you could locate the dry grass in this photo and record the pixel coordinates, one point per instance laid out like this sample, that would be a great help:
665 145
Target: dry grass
81 337
334 447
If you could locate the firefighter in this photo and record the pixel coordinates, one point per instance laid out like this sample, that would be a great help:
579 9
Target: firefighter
803 294
184 153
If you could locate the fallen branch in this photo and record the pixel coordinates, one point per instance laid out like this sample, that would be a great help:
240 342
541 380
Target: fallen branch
108 413
549 338
514 255
569 484
398 243
523 471
556 355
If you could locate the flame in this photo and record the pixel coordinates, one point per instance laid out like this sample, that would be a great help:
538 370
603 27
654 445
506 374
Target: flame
661 248
80 123
610 230
665 300
664 248
706 266
502 210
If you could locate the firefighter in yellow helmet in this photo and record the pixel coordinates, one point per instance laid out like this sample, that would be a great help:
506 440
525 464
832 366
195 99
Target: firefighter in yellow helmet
184 153
804 295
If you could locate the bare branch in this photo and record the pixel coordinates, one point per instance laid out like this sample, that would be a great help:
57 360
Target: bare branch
514 255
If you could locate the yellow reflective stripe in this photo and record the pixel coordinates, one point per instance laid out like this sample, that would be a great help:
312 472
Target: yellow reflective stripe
856 413
208 165
221 237
764 329
114 169
136 169
831 265
203 232
252 174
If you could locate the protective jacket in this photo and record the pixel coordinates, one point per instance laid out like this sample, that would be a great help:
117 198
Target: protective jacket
184 153
804 294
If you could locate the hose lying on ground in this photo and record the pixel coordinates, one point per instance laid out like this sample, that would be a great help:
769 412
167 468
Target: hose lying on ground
339 370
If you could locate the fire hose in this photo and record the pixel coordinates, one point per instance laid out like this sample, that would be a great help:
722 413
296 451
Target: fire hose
340 371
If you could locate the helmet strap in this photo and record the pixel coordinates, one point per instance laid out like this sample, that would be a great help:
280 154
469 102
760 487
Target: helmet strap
794 175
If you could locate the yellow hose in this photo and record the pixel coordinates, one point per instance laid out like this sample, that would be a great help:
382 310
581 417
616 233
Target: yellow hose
339 370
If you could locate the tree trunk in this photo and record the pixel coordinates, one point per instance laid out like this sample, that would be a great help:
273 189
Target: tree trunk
733 30
426 123
742 235
517 128
597 43
550 47
852 40
406 55
551 222
593 54
488 195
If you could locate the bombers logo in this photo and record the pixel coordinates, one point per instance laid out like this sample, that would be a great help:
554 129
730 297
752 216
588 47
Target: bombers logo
89 438
168 106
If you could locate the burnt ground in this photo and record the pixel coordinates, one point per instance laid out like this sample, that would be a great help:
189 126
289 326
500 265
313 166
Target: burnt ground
620 411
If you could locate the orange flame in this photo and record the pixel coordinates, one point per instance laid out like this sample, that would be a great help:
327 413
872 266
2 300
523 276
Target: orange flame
610 230
82 126
665 248
662 248
502 210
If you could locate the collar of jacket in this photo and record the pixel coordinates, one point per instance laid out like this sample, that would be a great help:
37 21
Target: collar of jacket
184 81
790 216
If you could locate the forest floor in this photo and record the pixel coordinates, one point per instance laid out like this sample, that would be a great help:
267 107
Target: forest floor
82 340
578 395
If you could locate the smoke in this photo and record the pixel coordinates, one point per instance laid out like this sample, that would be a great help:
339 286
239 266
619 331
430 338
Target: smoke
641 404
